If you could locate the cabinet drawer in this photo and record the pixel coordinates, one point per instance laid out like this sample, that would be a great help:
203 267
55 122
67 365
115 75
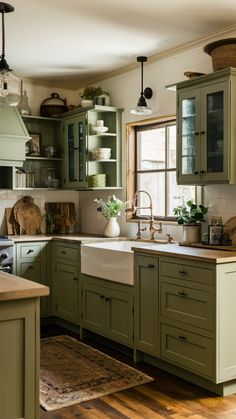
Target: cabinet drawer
67 253
187 272
187 305
29 251
189 350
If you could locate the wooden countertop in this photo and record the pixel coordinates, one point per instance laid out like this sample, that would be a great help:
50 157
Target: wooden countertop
171 249
193 253
14 288
75 237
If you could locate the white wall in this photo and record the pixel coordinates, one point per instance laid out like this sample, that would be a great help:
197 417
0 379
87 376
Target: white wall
124 91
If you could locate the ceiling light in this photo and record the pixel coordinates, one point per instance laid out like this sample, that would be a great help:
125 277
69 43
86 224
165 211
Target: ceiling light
142 108
9 84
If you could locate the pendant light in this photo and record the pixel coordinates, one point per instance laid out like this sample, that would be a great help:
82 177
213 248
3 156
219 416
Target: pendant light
142 108
9 83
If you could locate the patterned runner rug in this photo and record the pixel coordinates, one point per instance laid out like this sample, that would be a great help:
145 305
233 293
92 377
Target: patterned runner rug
72 372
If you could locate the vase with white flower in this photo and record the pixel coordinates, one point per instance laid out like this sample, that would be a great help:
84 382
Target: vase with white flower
111 209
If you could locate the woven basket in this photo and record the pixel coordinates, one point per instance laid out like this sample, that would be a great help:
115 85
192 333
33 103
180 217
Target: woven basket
222 52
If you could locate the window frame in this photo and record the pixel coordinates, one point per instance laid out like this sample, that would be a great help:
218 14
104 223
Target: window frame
131 169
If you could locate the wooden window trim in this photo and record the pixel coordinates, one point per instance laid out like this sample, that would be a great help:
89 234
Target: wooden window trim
131 160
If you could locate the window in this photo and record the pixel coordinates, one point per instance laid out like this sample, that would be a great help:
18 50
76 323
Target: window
154 168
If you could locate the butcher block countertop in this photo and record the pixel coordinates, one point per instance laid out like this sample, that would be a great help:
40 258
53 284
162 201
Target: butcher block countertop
191 253
171 249
15 288
71 238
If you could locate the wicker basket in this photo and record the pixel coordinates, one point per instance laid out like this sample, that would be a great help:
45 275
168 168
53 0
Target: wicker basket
222 52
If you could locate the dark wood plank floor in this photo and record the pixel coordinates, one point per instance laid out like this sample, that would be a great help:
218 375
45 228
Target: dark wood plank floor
166 397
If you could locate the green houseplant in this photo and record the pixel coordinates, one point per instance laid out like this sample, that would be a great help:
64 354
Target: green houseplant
111 209
190 215
91 92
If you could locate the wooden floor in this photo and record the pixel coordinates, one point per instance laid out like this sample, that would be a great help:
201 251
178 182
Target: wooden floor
166 397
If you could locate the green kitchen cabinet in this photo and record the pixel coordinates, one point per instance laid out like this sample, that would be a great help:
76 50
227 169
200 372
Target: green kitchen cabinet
46 165
81 163
75 137
19 358
66 278
66 282
31 263
206 129
107 309
146 314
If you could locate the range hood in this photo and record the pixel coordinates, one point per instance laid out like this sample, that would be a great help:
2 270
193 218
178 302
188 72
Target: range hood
13 136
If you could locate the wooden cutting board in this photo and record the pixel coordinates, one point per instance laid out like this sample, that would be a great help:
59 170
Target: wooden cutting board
230 227
61 217
26 217
10 227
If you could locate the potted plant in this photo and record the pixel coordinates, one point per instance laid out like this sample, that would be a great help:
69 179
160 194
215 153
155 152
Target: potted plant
111 209
190 215
89 95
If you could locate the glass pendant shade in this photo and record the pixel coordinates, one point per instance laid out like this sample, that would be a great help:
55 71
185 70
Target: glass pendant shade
9 83
142 108
9 88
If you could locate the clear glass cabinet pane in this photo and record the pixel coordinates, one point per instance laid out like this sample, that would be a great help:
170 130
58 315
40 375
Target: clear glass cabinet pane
71 148
151 149
188 135
215 130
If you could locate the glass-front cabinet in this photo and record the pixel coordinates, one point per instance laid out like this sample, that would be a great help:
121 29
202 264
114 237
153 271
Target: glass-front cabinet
74 129
92 148
206 129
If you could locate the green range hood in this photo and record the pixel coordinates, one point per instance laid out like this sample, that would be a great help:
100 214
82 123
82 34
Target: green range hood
13 136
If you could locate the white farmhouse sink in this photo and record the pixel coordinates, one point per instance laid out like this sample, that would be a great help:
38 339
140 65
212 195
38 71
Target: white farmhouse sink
110 260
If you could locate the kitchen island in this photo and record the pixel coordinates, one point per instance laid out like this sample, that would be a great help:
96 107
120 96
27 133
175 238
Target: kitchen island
20 346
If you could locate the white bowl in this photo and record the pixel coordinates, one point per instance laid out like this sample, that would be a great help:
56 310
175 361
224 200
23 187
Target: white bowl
100 130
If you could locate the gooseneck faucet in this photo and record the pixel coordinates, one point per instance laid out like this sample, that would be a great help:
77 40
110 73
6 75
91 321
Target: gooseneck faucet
134 210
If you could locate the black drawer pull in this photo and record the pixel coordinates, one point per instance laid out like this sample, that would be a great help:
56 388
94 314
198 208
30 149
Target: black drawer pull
150 266
63 252
183 272
107 299
30 267
183 293
196 172
182 337
196 133
75 279
102 297
29 251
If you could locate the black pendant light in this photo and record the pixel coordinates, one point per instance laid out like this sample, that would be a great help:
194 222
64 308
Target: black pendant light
9 83
142 108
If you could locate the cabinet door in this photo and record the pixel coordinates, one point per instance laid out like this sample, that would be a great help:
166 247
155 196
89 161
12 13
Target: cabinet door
203 134
94 308
146 329
31 263
66 287
119 316
75 151
188 134
214 132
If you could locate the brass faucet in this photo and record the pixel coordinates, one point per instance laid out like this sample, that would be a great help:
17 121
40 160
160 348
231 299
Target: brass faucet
134 209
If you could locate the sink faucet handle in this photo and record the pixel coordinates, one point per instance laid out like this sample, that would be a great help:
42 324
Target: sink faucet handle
140 229
169 238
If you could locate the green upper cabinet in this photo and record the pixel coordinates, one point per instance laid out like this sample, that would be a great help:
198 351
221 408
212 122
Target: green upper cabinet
75 134
43 164
83 167
206 129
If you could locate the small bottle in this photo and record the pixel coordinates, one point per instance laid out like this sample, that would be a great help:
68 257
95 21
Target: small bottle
215 232
23 106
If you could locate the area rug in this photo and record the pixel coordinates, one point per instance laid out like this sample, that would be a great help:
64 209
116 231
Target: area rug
72 372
